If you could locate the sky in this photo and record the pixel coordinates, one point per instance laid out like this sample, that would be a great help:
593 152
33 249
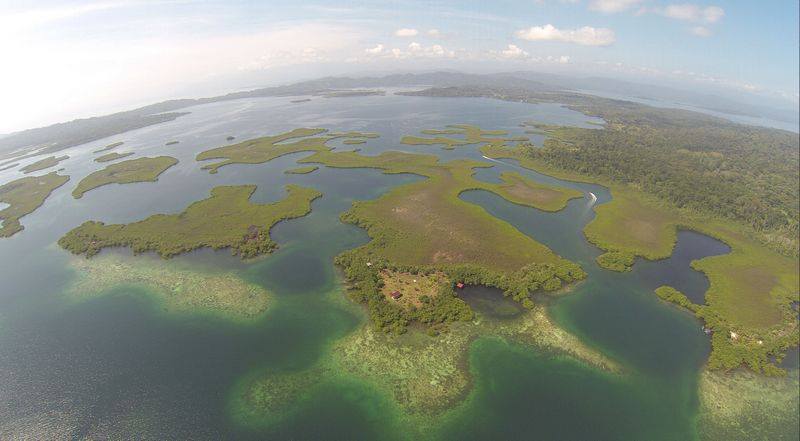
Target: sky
70 59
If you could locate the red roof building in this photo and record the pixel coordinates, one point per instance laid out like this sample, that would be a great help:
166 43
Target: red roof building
459 285
396 295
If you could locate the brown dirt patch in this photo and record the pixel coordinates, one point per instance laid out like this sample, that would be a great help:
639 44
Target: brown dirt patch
644 230
411 286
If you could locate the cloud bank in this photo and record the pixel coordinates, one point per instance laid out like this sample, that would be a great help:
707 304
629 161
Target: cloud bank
585 36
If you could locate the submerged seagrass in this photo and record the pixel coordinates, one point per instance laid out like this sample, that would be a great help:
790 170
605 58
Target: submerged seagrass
178 288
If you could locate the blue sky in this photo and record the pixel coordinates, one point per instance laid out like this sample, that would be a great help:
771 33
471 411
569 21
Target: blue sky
79 58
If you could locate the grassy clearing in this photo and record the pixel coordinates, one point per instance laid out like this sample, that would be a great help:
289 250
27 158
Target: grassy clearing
302 170
424 227
42 164
751 288
113 156
111 146
524 191
227 219
632 224
177 288
125 172
260 150
23 196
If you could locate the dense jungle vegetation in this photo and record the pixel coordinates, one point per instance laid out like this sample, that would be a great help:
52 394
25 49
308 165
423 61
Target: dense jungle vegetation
746 174
743 173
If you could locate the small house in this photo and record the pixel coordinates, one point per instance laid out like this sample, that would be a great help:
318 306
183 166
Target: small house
459 285
396 295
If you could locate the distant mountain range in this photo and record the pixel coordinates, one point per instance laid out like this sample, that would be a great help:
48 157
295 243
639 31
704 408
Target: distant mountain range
61 136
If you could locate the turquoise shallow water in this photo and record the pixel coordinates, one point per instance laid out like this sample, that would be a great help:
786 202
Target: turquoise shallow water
117 366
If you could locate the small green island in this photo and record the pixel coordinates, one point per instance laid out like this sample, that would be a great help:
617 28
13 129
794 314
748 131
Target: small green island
469 135
111 146
9 166
302 170
43 164
113 156
227 219
23 196
125 172
260 150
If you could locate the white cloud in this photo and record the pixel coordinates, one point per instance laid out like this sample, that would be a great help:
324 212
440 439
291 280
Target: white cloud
406 32
413 50
700 31
612 6
378 49
438 51
514 52
289 45
435 33
586 36
691 12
